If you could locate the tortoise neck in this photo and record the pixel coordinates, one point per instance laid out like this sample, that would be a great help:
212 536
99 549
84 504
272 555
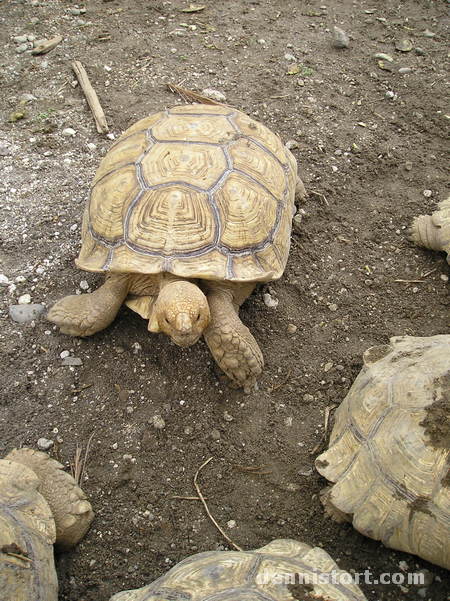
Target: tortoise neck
168 278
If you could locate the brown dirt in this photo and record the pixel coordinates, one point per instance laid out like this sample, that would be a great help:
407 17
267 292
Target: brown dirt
365 159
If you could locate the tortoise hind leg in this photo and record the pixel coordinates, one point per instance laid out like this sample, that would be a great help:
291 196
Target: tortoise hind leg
85 314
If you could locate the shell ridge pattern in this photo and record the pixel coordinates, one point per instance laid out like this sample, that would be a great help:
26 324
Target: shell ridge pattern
106 243
200 114
109 259
253 570
167 594
230 269
225 595
130 164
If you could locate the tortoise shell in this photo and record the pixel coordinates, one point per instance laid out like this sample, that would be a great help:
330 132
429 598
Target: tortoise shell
389 453
265 574
200 191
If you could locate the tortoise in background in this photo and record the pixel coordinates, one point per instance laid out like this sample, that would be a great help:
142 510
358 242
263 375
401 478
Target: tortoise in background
389 453
273 573
433 231
39 505
188 211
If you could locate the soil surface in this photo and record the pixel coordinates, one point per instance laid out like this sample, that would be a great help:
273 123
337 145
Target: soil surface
370 144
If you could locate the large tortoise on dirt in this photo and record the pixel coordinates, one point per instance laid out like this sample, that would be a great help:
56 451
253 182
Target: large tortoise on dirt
40 505
189 210
283 570
389 453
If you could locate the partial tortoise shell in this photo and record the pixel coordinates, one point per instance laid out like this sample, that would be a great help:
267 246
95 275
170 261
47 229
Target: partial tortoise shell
389 453
200 191
267 574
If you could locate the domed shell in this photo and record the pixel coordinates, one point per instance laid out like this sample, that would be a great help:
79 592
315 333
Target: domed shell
200 191
261 575
389 452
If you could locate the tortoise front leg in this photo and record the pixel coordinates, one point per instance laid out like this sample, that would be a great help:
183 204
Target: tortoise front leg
85 314
232 345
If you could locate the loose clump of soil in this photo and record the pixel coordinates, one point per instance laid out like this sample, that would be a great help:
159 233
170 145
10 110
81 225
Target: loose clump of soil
437 422
369 138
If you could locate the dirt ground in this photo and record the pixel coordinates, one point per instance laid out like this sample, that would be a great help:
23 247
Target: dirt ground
370 142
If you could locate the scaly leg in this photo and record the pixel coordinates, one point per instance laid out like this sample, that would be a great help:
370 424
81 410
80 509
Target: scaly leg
85 314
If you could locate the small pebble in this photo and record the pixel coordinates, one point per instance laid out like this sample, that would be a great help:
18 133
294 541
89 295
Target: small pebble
419 51
214 94
408 165
25 299
64 354
136 347
333 307
405 70
231 524
270 301
215 434
340 38
158 422
69 132
292 328
384 57
27 98
261 41
227 417
44 444
308 398
72 361
404 45
297 222
25 313
444 277
19 39
22 48
291 144
91 146
427 193
390 94
290 57
4 281
328 366
84 285
428 34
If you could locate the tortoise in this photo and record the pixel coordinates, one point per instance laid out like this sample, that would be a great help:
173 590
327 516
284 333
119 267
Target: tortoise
275 572
188 211
389 452
39 505
433 231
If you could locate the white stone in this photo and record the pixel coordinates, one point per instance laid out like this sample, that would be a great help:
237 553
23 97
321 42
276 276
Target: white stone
25 299
69 132
44 444
84 285
4 281
427 193
270 301
231 524
214 94
64 354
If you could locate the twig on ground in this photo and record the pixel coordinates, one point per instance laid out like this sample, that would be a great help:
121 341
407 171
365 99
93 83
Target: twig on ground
324 436
191 96
91 97
320 195
47 45
79 465
187 498
280 384
411 281
205 505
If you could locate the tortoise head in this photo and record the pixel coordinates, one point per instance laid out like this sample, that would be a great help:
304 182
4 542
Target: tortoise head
181 311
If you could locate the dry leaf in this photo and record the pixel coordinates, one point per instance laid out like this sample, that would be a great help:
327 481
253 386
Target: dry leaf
293 70
193 8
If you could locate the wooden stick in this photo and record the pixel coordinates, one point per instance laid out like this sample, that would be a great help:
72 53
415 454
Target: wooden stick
91 97
47 45
205 505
